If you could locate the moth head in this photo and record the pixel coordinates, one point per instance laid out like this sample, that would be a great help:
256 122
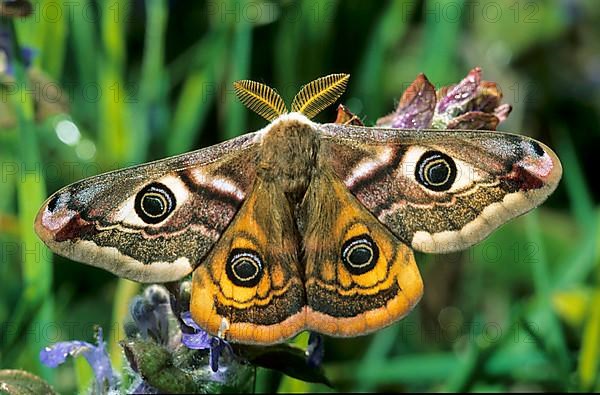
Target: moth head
312 98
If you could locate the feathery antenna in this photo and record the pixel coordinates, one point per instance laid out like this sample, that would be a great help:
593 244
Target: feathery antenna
260 98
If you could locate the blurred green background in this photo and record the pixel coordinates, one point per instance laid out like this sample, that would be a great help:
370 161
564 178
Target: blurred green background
89 86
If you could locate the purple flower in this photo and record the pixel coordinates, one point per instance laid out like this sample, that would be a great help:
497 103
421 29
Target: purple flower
96 355
217 346
470 104
7 53
198 339
315 350
459 95
201 340
151 313
416 107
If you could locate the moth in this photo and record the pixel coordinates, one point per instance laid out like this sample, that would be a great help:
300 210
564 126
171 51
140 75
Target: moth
300 225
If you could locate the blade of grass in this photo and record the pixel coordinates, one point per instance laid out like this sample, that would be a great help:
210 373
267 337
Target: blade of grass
84 375
442 31
85 50
29 33
463 376
149 110
403 369
574 180
376 355
589 355
115 138
285 67
239 59
317 35
389 30
289 384
304 27
114 17
198 92
471 362
126 290
31 192
416 369
53 28
186 60
520 363
264 380
553 335
576 268
9 179
482 347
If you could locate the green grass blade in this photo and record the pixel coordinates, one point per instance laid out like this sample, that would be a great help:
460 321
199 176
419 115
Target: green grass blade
389 29
126 290
198 93
85 48
309 34
289 384
576 267
149 107
553 334
574 180
114 17
482 348
84 42
31 192
53 29
441 40
240 55
403 369
286 73
376 355
115 137
589 355
433 368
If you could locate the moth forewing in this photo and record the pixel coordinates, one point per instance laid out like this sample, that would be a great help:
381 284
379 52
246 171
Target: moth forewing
153 222
441 191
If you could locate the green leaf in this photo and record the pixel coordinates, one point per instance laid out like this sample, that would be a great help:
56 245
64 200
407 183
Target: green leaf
187 371
589 356
389 30
155 364
286 359
20 382
198 91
